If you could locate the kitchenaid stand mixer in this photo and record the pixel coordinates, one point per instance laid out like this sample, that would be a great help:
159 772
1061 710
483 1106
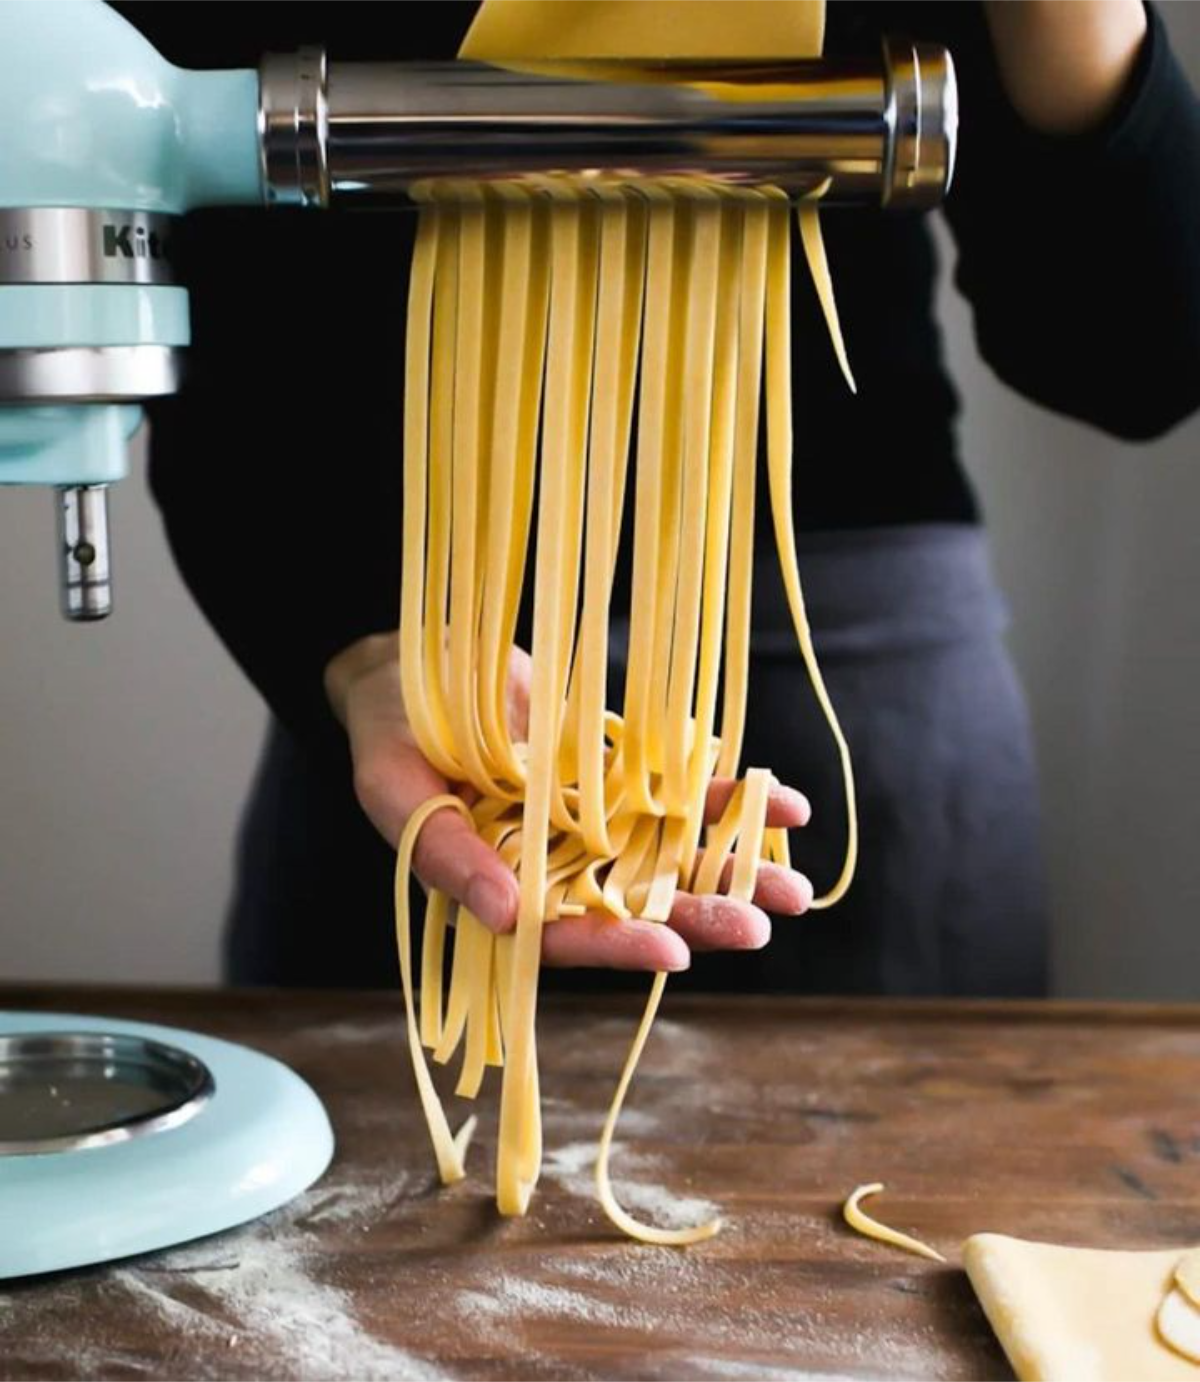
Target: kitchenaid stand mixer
106 143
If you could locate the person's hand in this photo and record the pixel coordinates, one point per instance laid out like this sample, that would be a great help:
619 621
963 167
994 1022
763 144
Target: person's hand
392 778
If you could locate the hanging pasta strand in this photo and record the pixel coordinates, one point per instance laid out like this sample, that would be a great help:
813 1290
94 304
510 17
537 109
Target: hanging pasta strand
779 470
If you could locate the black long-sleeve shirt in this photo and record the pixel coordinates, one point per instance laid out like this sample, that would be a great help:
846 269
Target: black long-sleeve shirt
277 469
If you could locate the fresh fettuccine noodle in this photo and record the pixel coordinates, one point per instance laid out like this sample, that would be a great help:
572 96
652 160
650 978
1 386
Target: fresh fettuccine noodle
553 330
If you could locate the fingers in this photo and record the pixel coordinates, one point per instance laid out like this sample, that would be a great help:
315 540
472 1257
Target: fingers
719 923
391 779
696 923
782 891
452 858
599 942
520 669
785 806
776 889
449 855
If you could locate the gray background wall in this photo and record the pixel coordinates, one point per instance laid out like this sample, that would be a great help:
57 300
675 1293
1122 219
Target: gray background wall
125 749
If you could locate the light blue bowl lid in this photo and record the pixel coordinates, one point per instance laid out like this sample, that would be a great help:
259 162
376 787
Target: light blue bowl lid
259 1139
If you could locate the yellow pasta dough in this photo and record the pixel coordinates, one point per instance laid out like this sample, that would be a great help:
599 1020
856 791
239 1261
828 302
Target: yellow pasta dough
550 323
863 1223
1073 1314
1187 1277
520 30
1078 1314
1178 1323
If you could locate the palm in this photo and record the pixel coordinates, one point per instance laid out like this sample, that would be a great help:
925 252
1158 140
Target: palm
392 778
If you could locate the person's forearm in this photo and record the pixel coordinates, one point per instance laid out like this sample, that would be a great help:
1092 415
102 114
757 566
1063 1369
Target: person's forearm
1064 63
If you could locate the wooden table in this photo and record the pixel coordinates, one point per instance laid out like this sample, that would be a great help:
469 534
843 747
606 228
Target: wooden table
1073 1123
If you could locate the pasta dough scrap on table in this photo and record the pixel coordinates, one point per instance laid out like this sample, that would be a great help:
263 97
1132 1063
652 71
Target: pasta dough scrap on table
1073 1314
862 1222
1085 1314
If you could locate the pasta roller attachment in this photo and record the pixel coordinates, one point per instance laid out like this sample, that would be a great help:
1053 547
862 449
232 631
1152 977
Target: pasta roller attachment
875 131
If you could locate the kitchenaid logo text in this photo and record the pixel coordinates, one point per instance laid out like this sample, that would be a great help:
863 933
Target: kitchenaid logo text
132 242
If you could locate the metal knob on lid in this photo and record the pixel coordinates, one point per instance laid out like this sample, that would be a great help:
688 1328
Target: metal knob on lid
875 131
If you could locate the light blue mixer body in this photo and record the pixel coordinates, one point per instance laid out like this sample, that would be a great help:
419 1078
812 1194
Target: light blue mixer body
94 117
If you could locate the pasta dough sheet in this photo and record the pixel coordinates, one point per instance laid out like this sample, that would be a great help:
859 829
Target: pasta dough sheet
1077 1314
514 30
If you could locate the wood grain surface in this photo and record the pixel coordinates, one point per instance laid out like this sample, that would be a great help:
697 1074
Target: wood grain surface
1077 1124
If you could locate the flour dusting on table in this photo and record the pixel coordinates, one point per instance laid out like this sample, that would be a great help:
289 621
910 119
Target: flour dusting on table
734 1368
573 1168
262 1294
256 1296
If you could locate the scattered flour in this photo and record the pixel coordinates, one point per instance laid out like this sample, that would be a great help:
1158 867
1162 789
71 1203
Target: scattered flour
258 1292
760 1372
566 1164
368 1031
352 1202
688 1046
573 1168
252 1296
645 1271
663 1206
176 1313
561 1116
506 1293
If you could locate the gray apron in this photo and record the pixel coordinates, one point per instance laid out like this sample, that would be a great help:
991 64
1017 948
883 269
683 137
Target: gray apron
949 897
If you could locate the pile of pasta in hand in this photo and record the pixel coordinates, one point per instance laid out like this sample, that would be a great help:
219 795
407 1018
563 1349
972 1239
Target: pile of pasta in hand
573 351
